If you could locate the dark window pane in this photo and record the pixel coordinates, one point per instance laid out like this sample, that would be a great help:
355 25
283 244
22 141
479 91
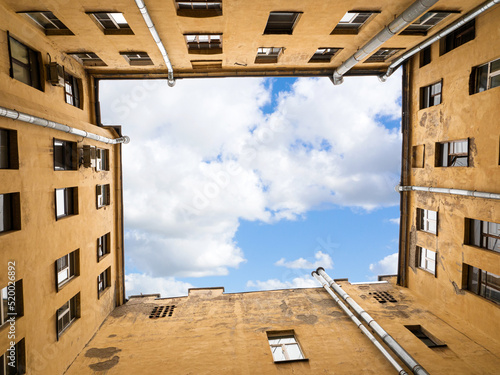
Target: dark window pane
4 149
6 212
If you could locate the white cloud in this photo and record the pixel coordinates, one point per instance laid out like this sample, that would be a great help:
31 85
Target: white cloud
386 266
272 284
136 283
203 155
322 260
395 221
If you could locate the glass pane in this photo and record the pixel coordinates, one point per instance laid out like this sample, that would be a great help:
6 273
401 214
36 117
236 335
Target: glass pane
294 352
432 215
119 19
431 266
482 78
4 306
18 51
287 340
495 81
21 73
495 65
473 279
278 354
63 275
60 203
5 212
348 17
431 254
437 100
4 149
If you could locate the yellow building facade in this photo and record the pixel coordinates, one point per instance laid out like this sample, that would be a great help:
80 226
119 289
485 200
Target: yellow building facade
61 219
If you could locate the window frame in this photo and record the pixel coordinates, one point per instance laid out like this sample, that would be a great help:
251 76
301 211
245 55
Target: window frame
379 58
103 246
325 56
59 28
90 58
424 260
198 46
33 67
475 86
70 308
117 29
101 159
70 202
270 57
137 58
20 361
458 37
5 307
103 282
343 28
423 28
289 334
482 279
424 222
68 153
199 12
425 56
9 155
276 27
10 212
448 156
477 237
73 90
103 192
427 97
72 266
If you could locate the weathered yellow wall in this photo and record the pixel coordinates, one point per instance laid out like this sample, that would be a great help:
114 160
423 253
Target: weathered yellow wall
226 334
459 116
42 239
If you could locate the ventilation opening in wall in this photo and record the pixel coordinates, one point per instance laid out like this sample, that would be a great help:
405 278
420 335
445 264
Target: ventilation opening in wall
383 297
162 311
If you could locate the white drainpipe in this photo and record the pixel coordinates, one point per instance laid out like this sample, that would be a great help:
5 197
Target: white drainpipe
156 37
20 116
452 27
407 359
360 325
470 193
403 20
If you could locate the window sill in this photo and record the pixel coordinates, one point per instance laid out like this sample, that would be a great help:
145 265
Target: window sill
6 324
64 283
427 271
99 295
9 231
293 360
64 217
100 258
424 231
494 303
59 334
481 248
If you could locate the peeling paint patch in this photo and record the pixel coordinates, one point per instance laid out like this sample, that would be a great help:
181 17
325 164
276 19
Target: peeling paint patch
106 365
309 319
102 352
112 336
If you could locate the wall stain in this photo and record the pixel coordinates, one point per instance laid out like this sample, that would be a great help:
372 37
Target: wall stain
458 290
102 352
309 319
106 365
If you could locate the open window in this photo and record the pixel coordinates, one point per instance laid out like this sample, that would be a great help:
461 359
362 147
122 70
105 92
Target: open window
65 157
67 314
103 282
324 55
431 95
281 22
382 55
11 302
425 336
25 64
483 234
284 346
482 283
66 202
87 58
112 23
426 259
48 22
10 212
427 220
199 8
67 267
102 195
425 22
103 246
458 37
353 21
72 90
9 157
452 154
268 55
206 44
485 77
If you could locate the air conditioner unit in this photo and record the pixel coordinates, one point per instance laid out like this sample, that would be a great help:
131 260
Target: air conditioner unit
89 156
55 74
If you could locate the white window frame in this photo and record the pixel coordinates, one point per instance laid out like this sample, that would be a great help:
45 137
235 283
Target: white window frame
282 347
427 260
67 309
426 222
103 195
489 75
102 159
3 309
103 246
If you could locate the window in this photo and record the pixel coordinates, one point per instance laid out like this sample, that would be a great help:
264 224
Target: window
268 55
284 346
67 314
102 159
9 158
112 23
72 90
425 336
452 154
10 212
485 77
49 23
483 234
137 58
19 362
206 64
87 58
25 64
204 43
66 202
426 259
64 155
281 22
427 220
382 55
418 156
483 283
103 281
103 246
431 95
460 36
425 23
67 267
324 55
352 21
102 194
425 56
11 302
199 8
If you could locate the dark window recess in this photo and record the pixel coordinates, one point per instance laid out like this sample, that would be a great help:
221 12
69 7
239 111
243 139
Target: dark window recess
25 64
199 8
87 58
67 313
103 281
485 77
65 157
352 22
425 336
72 90
67 267
483 234
460 36
452 154
383 297
425 56
207 44
483 283
19 362
103 246
66 202
6 306
103 195
161 311
112 23
324 55
10 212
49 23
425 23
431 95
137 58
382 55
9 158
281 22
206 64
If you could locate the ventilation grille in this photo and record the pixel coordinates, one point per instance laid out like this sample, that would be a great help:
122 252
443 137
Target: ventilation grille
383 297
162 311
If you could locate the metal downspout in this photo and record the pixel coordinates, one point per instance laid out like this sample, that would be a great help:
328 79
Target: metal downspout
30 119
360 325
403 20
469 193
452 27
156 37
407 359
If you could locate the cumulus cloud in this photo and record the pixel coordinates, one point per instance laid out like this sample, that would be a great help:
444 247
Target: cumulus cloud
386 266
204 156
137 283
394 221
271 284
322 260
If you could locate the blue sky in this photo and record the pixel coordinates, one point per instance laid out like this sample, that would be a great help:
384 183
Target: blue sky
252 183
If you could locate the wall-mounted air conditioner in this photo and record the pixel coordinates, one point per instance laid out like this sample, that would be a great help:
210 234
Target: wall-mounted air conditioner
55 74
